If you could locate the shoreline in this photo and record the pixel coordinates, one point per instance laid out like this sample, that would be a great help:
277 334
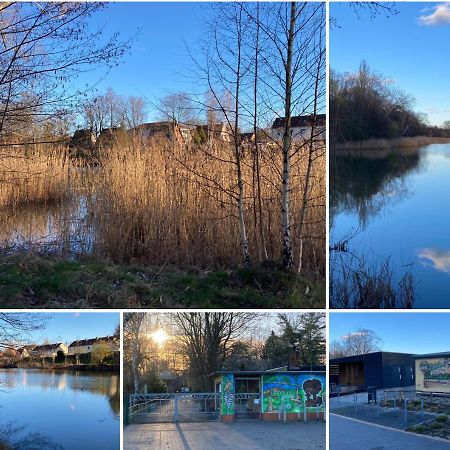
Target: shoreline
383 144
74 367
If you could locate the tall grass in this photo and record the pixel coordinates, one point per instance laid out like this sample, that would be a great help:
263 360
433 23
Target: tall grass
160 202
163 203
33 174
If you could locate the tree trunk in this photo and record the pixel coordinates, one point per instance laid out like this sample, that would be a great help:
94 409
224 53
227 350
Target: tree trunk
287 137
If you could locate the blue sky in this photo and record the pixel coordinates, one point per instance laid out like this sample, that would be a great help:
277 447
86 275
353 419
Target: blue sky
158 57
410 48
67 327
407 332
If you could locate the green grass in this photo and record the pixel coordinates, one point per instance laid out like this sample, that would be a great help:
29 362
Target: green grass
30 281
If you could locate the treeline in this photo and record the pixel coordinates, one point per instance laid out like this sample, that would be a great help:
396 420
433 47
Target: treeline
199 344
366 105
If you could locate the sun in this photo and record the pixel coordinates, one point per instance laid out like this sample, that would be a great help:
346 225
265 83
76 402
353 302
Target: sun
160 337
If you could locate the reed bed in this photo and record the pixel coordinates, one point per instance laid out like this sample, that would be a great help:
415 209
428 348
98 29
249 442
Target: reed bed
379 144
161 203
33 174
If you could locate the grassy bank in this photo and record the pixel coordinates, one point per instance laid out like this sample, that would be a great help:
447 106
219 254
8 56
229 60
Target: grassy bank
78 367
31 281
380 144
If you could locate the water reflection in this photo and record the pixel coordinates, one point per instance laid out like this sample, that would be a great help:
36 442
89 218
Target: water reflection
60 409
435 258
13 437
368 183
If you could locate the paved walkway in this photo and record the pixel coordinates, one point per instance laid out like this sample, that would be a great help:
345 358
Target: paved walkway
348 434
245 435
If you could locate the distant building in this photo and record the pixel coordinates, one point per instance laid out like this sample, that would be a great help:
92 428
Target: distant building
301 127
219 132
382 370
49 350
26 351
83 139
171 130
79 349
84 346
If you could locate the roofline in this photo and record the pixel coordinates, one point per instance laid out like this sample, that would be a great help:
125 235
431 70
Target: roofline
266 372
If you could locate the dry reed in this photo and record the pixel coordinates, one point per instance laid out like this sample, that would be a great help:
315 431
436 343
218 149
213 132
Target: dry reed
37 174
403 142
162 203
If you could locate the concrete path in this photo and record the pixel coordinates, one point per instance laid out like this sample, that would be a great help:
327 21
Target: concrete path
349 434
245 435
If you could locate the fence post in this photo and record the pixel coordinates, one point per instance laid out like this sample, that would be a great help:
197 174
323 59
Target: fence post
355 399
304 411
175 409
339 394
406 412
284 413
126 407
421 409
317 412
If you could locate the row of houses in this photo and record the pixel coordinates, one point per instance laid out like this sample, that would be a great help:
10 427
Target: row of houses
51 351
303 128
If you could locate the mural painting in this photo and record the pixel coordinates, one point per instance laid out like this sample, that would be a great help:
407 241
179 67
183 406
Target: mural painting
227 394
433 374
291 392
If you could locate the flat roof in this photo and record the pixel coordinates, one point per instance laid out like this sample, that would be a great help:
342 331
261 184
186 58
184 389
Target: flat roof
268 372
433 355
356 358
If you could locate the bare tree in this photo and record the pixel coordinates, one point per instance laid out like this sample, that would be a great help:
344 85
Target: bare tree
16 327
208 340
177 107
291 78
43 46
360 342
135 111
133 326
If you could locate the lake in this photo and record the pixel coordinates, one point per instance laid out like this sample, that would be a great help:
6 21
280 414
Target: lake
394 204
69 410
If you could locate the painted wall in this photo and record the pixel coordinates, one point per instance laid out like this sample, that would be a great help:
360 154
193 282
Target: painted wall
290 392
433 374
227 394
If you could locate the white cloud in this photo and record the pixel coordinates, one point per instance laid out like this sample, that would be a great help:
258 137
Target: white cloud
435 258
352 335
440 15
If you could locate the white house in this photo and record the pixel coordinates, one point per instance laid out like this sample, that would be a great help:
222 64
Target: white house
49 350
84 346
301 127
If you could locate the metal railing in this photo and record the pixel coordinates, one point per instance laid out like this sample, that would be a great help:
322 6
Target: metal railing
174 407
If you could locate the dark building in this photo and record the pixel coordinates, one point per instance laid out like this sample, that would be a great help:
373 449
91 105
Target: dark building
382 370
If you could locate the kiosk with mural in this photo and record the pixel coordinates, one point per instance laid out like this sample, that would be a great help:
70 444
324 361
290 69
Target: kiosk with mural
283 395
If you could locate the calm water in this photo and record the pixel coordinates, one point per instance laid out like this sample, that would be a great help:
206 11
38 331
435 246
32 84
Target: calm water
396 202
69 410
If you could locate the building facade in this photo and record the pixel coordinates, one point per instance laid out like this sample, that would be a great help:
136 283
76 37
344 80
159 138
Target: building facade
272 395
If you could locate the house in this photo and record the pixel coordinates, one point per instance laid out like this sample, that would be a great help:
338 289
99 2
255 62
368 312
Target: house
49 350
433 372
171 130
272 394
217 132
83 139
301 127
382 370
84 346
26 351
